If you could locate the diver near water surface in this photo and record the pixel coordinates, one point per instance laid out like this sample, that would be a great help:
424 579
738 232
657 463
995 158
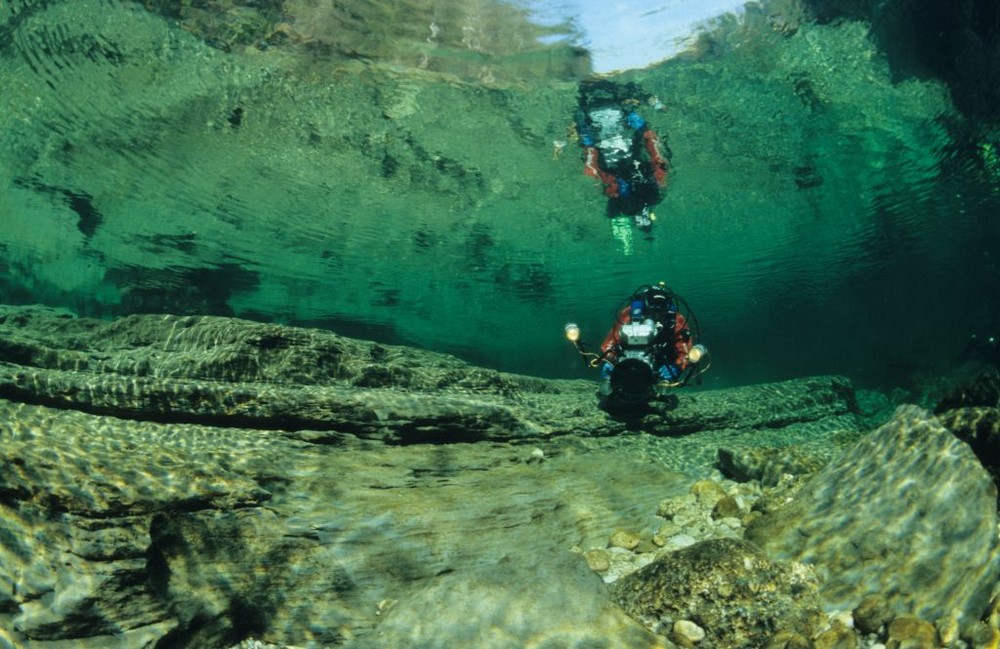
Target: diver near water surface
621 150
650 350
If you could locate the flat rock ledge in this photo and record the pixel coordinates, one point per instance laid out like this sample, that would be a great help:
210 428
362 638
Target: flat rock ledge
196 481
230 372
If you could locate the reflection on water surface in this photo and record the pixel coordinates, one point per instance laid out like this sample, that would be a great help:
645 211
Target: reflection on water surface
407 173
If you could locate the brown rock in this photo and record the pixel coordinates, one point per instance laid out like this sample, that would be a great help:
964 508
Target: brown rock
733 591
908 632
598 560
625 540
727 507
788 640
872 614
707 492
838 636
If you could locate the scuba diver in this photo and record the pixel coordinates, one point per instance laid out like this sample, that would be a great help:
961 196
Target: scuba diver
621 150
983 348
650 349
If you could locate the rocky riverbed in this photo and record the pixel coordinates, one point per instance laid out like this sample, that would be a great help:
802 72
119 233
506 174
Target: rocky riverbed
204 482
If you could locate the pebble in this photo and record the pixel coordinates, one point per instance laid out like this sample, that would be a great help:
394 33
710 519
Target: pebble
623 539
668 529
727 507
686 633
838 636
947 630
647 543
680 541
730 523
670 507
708 492
843 617
789 640
908 632
871 614
597 560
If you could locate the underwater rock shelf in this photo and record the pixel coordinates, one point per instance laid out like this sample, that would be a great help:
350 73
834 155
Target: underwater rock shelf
230 372
195 481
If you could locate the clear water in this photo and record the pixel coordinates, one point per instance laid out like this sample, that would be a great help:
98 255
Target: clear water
401 171
827 212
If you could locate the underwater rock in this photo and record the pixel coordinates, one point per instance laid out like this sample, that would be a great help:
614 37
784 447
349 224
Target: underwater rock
980 429
908 512
912 633
767 465
708 492
191 480
687 634
78 498
727 507
717 583
191 536
871 614
569 609
983 390
230 372
837 636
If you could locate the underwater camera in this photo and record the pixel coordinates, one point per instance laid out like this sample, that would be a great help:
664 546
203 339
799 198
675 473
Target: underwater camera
654 325
632 381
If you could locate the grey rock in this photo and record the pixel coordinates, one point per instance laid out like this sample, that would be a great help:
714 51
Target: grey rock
767 465
979 428
570 608
230 372
194 478
726 586
196 533
885 518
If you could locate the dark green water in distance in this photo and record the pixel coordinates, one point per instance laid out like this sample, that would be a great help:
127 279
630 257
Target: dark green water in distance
395 173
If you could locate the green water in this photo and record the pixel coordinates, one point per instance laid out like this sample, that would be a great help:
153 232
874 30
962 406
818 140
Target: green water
829 211
401 171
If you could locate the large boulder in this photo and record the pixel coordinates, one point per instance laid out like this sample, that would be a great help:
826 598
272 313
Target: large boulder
908 512
980 429
972 412
982 391
729 588
563 604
